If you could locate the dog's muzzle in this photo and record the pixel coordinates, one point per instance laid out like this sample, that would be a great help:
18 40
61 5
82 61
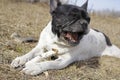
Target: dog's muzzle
72 36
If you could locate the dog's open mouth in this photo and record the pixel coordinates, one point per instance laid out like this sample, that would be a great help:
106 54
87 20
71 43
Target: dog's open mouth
71 37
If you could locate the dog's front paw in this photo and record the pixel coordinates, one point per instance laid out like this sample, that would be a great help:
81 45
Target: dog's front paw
19 61
32 69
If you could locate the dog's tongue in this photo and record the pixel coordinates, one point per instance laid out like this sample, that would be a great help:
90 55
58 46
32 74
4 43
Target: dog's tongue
72 36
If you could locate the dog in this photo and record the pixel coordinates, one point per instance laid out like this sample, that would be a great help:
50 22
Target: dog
67 38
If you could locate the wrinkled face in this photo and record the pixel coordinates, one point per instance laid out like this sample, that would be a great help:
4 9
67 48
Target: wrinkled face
70 23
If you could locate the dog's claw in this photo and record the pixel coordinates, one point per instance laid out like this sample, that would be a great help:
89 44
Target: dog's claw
19 61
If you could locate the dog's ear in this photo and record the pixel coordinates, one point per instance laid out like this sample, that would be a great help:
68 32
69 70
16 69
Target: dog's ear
84 6
54 4
84 14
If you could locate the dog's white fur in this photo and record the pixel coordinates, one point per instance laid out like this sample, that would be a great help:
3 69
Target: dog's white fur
92 44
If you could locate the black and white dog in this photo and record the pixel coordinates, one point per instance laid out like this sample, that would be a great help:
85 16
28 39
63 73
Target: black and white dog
67 38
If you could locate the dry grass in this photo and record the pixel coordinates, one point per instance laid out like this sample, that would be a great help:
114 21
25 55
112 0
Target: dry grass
28 20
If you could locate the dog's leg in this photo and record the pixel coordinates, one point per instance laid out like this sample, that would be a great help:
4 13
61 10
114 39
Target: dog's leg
37 68
112 51
41 57
38 50
19 61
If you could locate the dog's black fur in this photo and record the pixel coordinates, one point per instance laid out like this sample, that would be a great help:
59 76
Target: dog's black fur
70 18
106 38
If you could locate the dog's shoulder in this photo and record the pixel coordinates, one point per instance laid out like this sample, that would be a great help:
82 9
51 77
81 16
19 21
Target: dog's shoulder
46 35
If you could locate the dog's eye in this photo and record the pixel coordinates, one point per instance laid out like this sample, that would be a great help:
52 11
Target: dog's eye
53 12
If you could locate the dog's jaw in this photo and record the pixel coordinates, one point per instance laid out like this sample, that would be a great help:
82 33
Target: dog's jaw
70 38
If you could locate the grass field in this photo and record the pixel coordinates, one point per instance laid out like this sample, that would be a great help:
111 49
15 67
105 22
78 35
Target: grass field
28 20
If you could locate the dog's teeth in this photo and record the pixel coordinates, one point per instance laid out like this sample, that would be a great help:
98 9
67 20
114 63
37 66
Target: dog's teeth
73 40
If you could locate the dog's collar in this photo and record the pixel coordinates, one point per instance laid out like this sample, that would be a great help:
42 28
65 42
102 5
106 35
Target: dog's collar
69 23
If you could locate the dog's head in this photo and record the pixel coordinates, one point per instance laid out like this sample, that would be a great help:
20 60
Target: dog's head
69 22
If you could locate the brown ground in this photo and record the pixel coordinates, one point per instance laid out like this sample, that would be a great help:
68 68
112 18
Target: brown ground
28 20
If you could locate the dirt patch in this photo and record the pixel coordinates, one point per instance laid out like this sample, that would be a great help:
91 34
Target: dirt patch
28 20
